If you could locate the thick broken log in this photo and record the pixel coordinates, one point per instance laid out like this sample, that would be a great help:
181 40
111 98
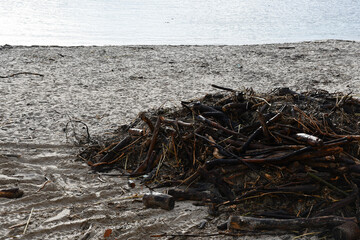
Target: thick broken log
158 200
251 223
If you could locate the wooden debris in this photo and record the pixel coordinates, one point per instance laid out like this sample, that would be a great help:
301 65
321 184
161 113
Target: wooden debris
251 223
28 221
11 193
131 183
241 152
158 200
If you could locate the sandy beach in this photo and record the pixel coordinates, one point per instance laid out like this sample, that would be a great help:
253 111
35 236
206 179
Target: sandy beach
42 88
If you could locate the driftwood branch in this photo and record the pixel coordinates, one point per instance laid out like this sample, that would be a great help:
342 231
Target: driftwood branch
22 73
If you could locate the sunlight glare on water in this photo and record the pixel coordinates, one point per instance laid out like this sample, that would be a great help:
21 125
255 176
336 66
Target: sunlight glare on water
123 22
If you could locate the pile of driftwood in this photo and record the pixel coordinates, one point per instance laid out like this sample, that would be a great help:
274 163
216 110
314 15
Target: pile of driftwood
283 160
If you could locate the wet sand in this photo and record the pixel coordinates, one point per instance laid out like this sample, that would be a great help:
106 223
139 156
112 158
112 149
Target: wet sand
105 87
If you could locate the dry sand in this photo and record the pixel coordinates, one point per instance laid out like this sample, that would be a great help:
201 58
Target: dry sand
106 87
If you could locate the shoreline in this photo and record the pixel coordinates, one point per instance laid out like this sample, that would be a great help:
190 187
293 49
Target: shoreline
43 88
179 45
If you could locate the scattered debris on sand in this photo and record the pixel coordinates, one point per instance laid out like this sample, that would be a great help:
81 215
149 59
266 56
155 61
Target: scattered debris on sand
277 161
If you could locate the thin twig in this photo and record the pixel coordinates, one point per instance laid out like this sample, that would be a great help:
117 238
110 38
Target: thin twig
44 184
20 73
28 221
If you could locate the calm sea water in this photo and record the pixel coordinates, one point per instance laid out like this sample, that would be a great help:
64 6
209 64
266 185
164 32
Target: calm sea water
122 22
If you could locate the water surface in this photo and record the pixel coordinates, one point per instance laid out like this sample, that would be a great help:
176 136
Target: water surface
120 22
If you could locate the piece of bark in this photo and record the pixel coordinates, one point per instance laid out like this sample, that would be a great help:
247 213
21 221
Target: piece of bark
11 193
251 223
156 200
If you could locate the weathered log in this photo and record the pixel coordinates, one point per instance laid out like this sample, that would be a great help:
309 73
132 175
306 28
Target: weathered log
251 223
158 200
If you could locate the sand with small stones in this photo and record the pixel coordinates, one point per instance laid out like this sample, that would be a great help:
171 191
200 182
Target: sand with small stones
42 88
